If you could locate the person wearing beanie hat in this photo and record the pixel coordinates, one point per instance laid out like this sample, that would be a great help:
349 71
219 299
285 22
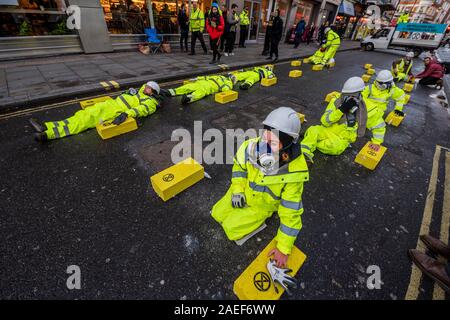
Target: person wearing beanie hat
267 176
132 103
215 25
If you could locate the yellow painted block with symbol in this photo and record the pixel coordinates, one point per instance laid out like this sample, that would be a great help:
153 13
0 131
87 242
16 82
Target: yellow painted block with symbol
255 282
366 77
267 82
295 73
296 63
225 97
370 71
108 130
317 67
90 102
370 155
177 178
368 66
306 60
408 87
332 95
394 119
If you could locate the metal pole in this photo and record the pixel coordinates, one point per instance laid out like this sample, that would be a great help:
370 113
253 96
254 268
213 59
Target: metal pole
150 13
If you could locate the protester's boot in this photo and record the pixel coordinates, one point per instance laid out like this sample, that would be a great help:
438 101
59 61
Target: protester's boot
433 268
37 125
436 246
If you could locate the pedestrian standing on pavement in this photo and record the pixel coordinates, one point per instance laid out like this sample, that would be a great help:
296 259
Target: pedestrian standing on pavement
275 35
266 48
232 20
223 37
183 22
214 26
299 30
321 35
310 34
196 26
244 22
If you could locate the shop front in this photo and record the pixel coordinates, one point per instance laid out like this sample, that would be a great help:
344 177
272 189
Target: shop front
345 19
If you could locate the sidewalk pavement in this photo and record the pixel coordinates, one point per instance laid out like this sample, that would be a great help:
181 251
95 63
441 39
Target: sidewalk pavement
31 82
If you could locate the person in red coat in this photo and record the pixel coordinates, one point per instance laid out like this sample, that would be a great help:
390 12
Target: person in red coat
215 26
433 73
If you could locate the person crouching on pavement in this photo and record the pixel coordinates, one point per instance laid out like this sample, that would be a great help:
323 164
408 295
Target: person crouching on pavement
132 103
254 75
432 75
214 26
268 176
201 87
343 122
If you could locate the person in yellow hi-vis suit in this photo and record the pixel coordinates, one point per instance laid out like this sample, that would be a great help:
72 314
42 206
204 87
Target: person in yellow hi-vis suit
376 98
404 18
344 120
250 77
197 26
244 22
331 46
201 87
317 57
133 103
401 68
268 176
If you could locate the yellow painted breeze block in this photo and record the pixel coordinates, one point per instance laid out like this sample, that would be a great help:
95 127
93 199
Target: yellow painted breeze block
407 97
368 66
90 102
370 155
267 82
225 97
301 116
366 77
331 65
394 119
317 67
107 130
306 60
296 63
408 87
370 71
255 282
331 95
177 178
295 73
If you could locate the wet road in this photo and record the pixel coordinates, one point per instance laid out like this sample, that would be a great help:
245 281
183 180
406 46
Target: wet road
87 202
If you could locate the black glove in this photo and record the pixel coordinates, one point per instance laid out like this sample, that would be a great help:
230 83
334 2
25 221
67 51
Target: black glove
244 86
347 105
120 119
399 113
165 93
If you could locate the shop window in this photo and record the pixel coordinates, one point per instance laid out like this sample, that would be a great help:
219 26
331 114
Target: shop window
33 18
125 17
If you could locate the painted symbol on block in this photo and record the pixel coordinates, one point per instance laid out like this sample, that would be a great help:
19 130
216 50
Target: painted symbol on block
168 177
261 281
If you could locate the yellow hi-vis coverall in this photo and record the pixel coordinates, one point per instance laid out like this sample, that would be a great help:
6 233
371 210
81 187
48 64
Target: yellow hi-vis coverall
253 76
197 21
203 86
333 136
317 57
138 105
401 70
376 101
264 194
332 45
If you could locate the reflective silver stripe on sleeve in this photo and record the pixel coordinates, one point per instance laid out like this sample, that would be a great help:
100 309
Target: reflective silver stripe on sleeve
378 136
288 230
291 204
377 99
66 130
265 189
305 146
55 130
239 174
327 117
55 123
125 102
135 111
378 126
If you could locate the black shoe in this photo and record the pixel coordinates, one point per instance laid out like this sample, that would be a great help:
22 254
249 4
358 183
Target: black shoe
244 86
212 62
40 137
244 47
191 54
269 58
185 99
37 125
275 60
218 58
205 52
264 53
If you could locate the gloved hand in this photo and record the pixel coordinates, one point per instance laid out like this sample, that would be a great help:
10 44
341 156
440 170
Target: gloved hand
244 86
238 200
280 276
348 104
165 93
399 113
132 91
120 119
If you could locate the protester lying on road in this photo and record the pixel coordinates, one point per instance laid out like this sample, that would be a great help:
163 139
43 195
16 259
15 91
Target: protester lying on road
254 75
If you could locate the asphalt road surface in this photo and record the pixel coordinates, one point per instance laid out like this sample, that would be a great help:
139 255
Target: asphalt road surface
88 202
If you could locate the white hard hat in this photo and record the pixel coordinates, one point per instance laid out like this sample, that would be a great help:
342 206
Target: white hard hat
153 85
285 120
327 29
410 55
384 76
353 84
